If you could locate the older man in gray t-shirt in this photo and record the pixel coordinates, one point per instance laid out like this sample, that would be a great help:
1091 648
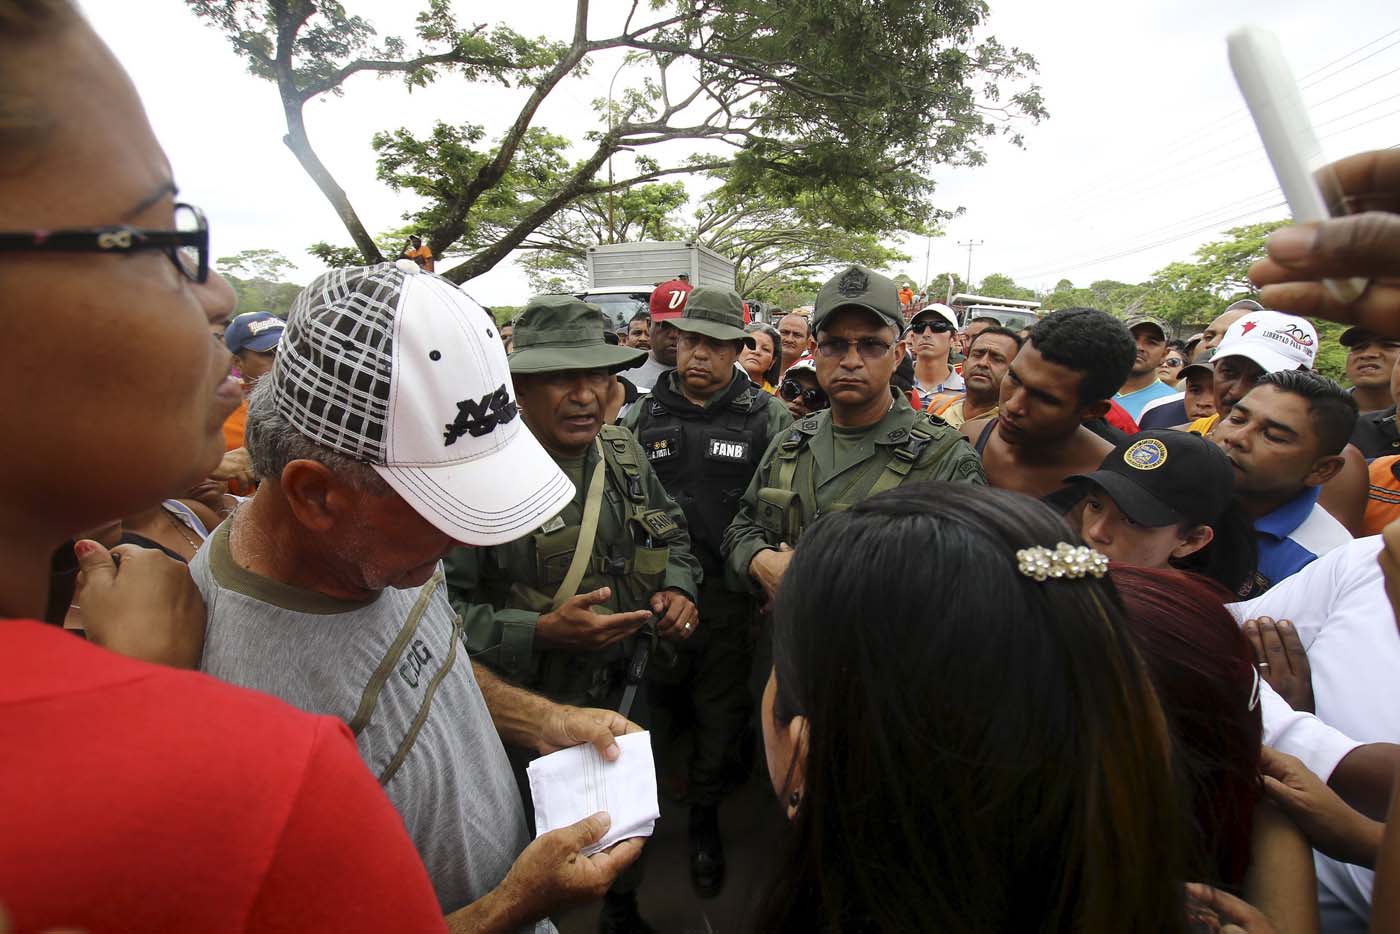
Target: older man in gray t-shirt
386 435
394 670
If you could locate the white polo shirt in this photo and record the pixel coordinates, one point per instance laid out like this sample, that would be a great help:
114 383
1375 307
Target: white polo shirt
1339 607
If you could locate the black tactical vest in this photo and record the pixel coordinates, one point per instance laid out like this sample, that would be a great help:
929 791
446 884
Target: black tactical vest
705 458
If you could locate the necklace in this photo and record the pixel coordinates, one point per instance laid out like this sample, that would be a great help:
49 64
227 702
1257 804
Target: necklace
180 527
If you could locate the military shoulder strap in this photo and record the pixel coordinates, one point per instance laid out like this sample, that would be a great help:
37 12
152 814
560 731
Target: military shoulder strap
620 452
921 434
785 460
588 531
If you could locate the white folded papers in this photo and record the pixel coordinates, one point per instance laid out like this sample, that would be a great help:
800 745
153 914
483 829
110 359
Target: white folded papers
572 784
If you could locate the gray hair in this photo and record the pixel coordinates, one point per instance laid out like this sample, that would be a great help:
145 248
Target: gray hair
273 443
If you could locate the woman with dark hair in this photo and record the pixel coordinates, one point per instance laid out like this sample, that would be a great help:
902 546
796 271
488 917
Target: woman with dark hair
1203 669
1163 499
980 752
764 359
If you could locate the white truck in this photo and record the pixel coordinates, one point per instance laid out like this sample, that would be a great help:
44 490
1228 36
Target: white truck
621 276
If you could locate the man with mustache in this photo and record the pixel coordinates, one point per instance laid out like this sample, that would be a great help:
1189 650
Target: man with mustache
561 610
1064 375
1284 439
867 442
1370 358
704 428
989 356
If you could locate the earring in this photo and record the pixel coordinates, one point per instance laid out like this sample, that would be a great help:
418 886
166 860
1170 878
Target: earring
794 799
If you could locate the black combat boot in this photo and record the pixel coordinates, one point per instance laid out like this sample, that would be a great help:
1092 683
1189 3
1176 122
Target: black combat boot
620 915
706 851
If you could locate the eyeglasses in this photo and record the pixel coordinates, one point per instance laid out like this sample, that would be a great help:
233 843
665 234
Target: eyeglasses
870 348
187 245
937 327
813 398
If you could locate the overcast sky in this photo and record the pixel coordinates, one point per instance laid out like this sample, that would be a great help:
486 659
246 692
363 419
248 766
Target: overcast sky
1147 153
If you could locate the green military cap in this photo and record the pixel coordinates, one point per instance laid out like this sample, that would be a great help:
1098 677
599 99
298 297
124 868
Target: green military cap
858 287
714 312
560 332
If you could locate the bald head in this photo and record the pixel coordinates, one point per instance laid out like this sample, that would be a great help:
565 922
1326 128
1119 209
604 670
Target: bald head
1216 332
795 332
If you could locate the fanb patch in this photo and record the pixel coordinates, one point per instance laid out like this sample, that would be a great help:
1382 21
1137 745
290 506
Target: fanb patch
661 526
726 449
853 282
477 417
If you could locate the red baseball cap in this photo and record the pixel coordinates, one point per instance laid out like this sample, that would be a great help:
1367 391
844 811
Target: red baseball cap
668 299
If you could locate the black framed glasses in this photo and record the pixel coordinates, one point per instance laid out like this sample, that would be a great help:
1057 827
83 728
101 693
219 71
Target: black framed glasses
937 327
187 244
813 398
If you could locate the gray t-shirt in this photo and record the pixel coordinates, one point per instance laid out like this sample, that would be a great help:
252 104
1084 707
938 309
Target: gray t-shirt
425 733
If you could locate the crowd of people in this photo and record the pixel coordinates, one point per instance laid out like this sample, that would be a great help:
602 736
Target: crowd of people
1081 627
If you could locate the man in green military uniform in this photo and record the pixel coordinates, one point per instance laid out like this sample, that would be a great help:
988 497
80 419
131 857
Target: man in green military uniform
562 609
704 427
870 440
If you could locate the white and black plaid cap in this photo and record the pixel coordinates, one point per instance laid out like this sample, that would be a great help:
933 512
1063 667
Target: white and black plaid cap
400 369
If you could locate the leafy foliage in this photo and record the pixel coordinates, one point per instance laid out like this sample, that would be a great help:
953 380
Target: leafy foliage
836 110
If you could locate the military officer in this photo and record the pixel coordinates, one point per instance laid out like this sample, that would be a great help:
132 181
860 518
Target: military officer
868 441
704 428
562 609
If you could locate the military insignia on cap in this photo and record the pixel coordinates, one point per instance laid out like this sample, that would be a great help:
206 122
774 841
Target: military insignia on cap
1147 454
896 435
853 282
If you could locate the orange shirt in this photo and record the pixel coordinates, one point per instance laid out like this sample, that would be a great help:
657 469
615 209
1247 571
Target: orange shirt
1383 498
422 256
234 427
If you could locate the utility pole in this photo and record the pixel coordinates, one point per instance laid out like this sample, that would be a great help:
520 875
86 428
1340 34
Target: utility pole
970 244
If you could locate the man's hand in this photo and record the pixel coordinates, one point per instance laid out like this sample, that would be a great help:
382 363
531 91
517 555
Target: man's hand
575 627
676 615
566 726
1235 915
769 566
1282 660
147 607
1324 818
236 466
550 874
1365 245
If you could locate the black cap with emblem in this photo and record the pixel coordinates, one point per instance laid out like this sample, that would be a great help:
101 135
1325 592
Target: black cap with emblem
858 287
1163 477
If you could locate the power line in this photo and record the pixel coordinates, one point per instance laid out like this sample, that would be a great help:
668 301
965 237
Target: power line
1143 249
1312 79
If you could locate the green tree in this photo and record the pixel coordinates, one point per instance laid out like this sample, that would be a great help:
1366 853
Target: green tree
938 291
806 99
1196 292
257 264
556 253
255 278
997 285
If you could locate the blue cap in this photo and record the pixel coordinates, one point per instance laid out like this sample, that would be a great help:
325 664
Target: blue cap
254 330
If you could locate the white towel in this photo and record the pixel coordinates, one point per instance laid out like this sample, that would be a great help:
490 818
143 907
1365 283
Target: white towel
572 784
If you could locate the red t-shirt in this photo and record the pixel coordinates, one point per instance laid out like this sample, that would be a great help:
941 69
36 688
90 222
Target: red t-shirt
140 798
1119 418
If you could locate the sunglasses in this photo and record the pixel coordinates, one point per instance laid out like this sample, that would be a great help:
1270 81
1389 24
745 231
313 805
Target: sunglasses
814 398
937 327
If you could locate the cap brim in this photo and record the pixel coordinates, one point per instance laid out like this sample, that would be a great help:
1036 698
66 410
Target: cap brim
262 343
1271 361
592 356
487 500
1353 335
720 332
1135 502
1181 373
1149 324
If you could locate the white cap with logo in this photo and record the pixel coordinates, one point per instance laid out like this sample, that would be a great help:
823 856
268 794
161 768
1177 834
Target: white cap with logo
400 369
1272 339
